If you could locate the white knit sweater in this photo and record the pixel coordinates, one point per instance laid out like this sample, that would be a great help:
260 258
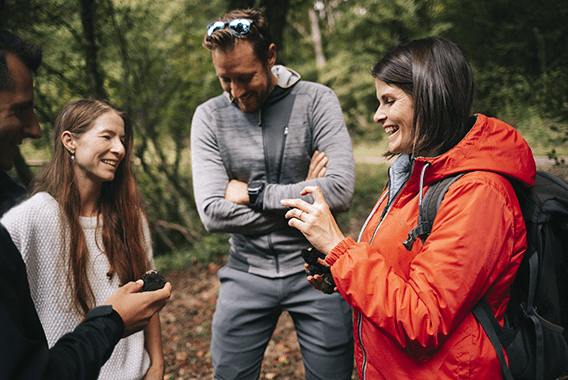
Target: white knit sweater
34 226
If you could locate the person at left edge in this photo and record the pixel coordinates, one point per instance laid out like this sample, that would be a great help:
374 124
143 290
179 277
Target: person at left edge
251 147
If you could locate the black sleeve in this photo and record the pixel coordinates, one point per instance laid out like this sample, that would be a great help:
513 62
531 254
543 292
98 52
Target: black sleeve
24 352
81 353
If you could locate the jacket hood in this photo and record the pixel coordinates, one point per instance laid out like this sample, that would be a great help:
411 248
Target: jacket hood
286 80
490 145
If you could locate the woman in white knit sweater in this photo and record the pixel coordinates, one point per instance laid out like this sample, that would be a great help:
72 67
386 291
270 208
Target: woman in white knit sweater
84 232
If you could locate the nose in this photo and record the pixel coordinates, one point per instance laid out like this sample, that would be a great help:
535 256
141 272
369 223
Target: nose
237 91
32 129
380 116
118 148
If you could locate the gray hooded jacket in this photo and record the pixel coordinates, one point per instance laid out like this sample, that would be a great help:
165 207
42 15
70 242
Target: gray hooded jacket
274 146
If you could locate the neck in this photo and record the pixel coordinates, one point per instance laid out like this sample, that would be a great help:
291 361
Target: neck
89 198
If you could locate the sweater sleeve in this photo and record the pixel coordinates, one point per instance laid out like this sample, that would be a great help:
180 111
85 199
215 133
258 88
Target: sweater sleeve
330 135
210 179
464 259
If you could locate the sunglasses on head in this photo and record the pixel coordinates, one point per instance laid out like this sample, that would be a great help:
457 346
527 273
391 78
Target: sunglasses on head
238 27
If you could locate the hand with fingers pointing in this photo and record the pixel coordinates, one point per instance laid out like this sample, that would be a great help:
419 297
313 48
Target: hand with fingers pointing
315 221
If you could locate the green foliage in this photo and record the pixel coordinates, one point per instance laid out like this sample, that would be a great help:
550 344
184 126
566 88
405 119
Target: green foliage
150 62
211 249
518 49
355 35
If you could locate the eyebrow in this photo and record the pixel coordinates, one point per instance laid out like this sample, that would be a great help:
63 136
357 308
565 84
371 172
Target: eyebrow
107 130
24 103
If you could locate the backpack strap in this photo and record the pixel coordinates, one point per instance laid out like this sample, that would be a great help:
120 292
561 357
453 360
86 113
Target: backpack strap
429 208
531 313
482 312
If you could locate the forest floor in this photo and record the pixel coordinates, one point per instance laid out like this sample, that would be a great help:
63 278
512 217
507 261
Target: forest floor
186 331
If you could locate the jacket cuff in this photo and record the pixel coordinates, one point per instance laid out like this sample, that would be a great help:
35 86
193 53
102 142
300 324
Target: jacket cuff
339 250
109 312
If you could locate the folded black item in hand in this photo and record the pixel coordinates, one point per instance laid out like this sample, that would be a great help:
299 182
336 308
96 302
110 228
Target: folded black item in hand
310 256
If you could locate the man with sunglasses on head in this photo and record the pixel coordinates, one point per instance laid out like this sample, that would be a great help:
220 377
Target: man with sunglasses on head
264 139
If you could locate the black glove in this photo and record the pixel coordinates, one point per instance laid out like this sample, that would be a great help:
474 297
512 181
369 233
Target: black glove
310 256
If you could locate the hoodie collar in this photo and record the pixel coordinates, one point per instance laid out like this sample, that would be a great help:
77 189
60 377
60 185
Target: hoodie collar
287 78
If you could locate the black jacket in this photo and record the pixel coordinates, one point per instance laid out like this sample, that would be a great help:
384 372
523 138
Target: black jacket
24 353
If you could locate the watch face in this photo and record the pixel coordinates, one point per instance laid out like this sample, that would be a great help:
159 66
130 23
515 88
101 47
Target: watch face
255 186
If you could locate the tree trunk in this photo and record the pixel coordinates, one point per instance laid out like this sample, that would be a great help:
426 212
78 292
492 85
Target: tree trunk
316 36
3 13
94 76
276 12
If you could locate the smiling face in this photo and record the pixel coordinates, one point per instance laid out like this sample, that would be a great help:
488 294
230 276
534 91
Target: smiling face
98 151
17 118
396 114
247 79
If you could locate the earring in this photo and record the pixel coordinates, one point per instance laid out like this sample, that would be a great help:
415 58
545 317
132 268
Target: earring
72 154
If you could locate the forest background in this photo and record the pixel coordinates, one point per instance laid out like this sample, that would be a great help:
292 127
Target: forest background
145 56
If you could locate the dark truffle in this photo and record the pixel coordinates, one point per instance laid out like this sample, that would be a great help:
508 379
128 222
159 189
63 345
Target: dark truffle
153 280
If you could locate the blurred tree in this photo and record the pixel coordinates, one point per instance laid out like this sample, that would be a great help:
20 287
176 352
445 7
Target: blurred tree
3 13
275 10
142 56
88 19
518 49
354 35
145 56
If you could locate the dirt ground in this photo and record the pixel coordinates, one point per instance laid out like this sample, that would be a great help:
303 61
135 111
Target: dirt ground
186 331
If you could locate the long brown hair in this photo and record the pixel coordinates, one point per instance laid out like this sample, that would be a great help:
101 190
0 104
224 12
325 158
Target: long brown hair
436 75
120 205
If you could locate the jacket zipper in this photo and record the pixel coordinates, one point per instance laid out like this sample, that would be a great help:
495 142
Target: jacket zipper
267 166
281 161
267 169
360 332
383 216
277 261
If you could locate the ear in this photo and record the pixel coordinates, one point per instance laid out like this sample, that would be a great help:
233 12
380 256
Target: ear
68 141
272 55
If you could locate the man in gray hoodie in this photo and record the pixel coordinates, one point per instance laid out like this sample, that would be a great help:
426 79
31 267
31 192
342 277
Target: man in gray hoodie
264 139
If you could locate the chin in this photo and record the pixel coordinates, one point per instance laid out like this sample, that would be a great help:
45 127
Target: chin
248 109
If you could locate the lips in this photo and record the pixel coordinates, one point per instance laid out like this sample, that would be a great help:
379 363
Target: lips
110 162
246 98
390 129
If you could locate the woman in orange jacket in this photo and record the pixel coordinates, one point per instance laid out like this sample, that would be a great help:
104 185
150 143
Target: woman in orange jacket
412 308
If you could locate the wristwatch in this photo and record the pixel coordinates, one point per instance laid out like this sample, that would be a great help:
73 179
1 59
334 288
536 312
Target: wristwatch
254 189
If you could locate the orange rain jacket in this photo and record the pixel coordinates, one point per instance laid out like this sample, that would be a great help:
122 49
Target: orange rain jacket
413 308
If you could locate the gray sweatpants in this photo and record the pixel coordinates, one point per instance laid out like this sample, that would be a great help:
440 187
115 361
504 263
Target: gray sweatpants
247 312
